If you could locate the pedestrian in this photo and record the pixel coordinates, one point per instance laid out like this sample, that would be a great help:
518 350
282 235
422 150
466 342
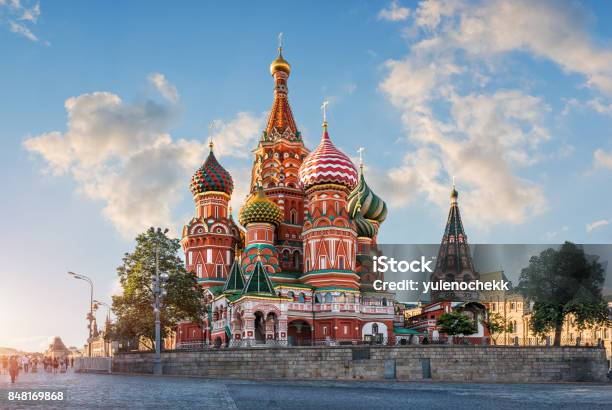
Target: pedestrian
71 362
34 365
55 365
5 364
13 368
66 362
25 363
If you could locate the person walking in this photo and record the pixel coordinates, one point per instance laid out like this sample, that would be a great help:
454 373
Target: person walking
5 364
55 365
13 368
25 363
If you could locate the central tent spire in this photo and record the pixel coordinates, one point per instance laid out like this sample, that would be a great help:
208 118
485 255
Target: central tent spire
280 123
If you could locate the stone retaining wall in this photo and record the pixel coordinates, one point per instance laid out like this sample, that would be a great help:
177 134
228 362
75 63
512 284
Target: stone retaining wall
444 363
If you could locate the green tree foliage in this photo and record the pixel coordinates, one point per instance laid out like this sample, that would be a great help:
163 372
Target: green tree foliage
496 324
455 323
561 283
134 309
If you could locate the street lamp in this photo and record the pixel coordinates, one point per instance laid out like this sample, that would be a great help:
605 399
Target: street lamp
159 292
90 317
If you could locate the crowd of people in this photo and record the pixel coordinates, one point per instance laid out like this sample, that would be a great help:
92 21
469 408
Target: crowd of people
12 365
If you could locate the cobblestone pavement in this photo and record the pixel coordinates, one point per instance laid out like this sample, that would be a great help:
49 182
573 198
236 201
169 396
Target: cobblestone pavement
85 391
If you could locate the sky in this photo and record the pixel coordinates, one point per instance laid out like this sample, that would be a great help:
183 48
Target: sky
106 111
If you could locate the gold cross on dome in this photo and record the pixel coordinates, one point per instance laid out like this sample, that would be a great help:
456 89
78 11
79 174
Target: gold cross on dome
360 152
210 132
280 40
324 108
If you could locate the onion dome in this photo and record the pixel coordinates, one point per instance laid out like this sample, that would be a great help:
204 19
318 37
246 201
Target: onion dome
365 228
327 165
280 64
259 208
454 194
211 177
372 206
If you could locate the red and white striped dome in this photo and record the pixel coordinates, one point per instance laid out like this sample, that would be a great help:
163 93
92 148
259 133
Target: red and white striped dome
328 165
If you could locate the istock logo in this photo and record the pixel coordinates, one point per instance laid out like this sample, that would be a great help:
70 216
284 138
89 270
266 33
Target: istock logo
384 264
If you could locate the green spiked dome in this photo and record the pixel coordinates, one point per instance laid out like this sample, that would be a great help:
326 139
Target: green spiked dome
211 177
372 206
260 209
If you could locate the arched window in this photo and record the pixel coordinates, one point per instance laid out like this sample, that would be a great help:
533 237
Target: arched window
318 298
302 297
293 216
375 328
296 259
384 302
328 298
291 295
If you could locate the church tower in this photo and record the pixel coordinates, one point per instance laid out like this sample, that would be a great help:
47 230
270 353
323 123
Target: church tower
260 216
209 239
330 239
454 263
278 158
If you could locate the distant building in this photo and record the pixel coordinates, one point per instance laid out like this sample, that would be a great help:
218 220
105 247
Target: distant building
57 349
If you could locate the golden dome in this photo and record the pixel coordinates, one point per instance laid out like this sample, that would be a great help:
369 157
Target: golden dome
280 64
259 208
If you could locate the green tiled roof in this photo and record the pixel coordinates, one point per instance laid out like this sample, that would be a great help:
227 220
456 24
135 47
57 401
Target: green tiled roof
259 282
235 280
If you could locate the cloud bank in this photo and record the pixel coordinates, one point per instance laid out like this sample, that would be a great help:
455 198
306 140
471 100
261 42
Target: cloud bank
123 155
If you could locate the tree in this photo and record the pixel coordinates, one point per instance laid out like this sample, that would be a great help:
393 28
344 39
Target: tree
134 310
496 324
561 283
455 323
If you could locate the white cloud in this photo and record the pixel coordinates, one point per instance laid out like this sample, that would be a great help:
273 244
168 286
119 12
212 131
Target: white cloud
20 17
598 105
165 88
541 28
22 30
31 14
596 225
394 12
602 159
484 140
460 122
122 154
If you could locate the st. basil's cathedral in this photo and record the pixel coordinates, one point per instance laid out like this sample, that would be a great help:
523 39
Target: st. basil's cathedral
295 271
290 272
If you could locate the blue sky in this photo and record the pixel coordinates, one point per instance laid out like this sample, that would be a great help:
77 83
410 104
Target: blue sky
105 115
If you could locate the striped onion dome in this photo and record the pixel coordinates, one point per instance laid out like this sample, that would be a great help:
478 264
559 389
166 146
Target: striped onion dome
365 228
372 206
327 165
259 208
211 177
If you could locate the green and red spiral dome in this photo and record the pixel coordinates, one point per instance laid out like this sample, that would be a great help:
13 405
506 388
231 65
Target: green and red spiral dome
211 177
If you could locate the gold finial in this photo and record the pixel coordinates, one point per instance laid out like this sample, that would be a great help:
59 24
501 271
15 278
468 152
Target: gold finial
360 152
324 109
211 127
280 64
454 194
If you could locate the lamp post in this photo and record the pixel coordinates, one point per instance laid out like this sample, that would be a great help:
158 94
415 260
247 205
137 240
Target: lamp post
90 316
159 292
